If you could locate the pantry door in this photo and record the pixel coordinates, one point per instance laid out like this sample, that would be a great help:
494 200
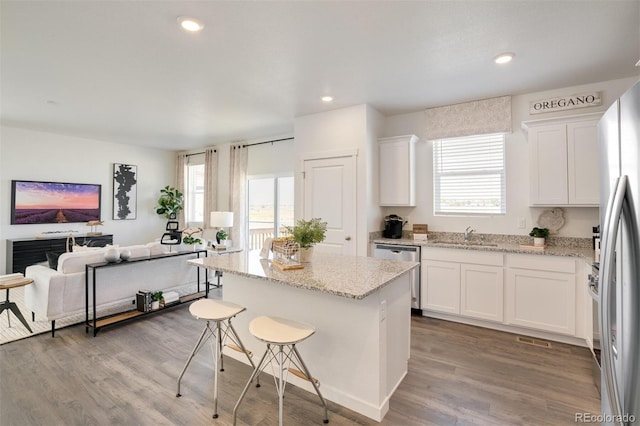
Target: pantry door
329 193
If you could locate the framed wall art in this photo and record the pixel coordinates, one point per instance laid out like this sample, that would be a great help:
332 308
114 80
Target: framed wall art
125 186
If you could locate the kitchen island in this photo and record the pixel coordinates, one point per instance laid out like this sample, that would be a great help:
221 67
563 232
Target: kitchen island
359 306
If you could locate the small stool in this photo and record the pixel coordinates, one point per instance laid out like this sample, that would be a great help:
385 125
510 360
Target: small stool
220 312
283 334
8 282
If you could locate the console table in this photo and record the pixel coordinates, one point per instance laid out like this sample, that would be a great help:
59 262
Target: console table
90 279
22 252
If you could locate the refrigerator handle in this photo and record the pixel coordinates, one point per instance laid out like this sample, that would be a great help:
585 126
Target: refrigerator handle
611 225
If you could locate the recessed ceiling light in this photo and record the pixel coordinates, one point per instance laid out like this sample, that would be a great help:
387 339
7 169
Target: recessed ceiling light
190 24
504 58
327 98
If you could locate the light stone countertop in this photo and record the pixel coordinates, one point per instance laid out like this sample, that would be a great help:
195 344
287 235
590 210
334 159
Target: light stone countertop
585 253
354 277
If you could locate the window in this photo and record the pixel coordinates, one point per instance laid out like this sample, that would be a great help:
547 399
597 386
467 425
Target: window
194 197
469 175
270 208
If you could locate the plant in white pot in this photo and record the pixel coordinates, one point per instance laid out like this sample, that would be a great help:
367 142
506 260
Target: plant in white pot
307 233
539 235
156 298
192 237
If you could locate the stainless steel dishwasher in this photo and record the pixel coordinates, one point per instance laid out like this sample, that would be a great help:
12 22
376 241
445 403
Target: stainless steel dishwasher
406 253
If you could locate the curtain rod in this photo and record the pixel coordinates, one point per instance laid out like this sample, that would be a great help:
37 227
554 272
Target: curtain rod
260 143
198 153
247 145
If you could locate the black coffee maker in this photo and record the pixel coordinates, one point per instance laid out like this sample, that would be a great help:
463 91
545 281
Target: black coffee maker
393 226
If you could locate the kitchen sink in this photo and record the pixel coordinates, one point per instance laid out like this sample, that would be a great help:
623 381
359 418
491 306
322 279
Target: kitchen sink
464 244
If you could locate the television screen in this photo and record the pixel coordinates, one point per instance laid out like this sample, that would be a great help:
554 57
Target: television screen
54 202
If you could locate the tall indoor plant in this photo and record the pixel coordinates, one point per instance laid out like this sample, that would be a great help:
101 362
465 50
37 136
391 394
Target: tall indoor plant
307 233
170 203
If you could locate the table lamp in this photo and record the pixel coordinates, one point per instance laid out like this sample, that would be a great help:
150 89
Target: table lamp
221 220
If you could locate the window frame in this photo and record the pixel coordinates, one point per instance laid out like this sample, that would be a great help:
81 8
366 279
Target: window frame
467 170
195 160
276 200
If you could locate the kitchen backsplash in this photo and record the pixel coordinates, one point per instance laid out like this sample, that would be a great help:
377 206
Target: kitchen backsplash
495 238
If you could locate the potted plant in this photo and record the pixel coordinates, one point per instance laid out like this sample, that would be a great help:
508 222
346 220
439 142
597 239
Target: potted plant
156 297
170 202
539 235
191 238
221 237
307 233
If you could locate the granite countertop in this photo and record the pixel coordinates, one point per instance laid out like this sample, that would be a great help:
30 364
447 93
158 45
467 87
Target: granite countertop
354 277
585 253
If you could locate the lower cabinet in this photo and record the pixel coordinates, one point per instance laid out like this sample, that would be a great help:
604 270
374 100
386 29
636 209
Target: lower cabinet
440 286
481 292
541 293
472 289
536 292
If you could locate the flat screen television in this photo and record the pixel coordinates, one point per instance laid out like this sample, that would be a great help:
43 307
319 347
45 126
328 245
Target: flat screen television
35 202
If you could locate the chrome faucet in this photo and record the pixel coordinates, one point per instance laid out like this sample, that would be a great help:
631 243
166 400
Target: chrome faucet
467 233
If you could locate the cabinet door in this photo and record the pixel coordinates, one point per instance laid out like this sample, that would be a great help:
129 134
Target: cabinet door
583 163
482 292
397 171
440 283
541 300
548 157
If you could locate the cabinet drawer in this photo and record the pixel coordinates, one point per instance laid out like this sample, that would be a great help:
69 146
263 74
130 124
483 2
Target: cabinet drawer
542 263
476 257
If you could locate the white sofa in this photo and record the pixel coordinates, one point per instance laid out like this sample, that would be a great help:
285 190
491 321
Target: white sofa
59 293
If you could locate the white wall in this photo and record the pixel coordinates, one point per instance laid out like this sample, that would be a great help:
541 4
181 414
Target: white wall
578 221
31 155
352 128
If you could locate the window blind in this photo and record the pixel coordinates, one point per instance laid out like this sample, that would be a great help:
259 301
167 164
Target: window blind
469 175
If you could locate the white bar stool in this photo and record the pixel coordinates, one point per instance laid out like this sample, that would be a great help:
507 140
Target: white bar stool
220 313
283 334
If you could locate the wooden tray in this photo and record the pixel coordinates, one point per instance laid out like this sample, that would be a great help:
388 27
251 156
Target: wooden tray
287 266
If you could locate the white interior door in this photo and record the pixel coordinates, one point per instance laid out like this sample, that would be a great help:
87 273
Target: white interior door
329 193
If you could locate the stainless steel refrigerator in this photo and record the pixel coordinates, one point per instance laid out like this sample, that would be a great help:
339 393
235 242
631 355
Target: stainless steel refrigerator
619 292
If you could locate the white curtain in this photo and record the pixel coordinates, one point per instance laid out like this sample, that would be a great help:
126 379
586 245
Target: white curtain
470 118
180 183
238 194
210 184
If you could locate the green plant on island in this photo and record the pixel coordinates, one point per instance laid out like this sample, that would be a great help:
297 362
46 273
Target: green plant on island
307 233
170 202
539 232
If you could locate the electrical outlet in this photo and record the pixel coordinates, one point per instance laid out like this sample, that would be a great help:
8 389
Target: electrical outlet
522 223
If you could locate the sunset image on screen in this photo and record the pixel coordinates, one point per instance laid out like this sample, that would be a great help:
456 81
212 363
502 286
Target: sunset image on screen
51 202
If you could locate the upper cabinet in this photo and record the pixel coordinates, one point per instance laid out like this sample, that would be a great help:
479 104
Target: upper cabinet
564 165
397 171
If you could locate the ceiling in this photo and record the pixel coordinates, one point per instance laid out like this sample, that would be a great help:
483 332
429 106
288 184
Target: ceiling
123 71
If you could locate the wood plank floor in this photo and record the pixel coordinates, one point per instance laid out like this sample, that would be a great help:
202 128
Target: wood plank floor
458 375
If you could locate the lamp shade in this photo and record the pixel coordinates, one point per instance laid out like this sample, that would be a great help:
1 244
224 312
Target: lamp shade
221 219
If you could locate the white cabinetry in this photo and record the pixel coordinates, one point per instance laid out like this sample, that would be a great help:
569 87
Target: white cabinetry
440 290
541 293
463 282
564 164
397 170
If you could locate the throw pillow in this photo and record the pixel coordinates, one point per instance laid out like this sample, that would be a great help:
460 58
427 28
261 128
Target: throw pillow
52 259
